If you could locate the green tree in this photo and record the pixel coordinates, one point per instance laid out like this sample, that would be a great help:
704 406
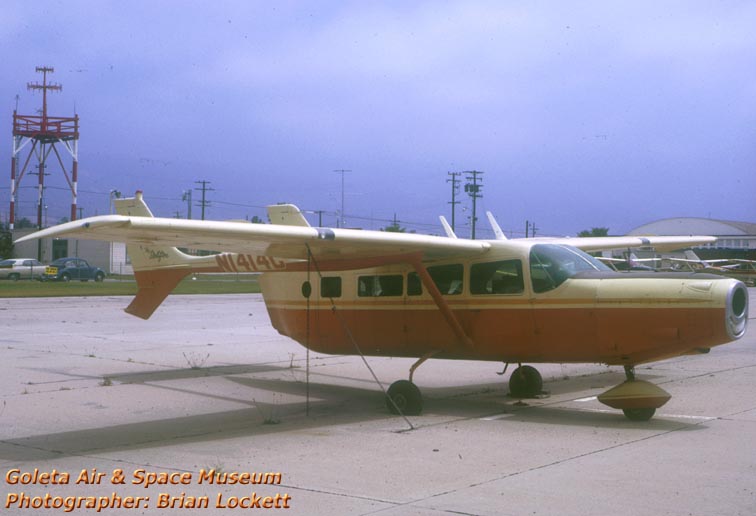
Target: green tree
594 232
394 228
25 223
6 243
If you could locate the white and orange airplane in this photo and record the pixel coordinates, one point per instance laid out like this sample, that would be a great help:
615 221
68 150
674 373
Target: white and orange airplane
346 291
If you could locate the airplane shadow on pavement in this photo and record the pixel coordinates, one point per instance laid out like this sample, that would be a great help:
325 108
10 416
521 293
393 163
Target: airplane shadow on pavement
330 405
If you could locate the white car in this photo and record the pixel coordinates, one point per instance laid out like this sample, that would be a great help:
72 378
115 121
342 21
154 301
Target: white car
15 269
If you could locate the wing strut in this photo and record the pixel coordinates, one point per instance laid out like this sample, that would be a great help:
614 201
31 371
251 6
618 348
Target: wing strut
441 303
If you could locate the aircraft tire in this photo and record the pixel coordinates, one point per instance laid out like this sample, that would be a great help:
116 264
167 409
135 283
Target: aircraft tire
525 382
406 398
639 414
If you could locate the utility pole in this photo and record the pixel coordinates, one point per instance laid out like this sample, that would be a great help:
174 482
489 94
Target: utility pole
114 194
40 202
187 196
473 188
530 227
204 202
455 188
343 219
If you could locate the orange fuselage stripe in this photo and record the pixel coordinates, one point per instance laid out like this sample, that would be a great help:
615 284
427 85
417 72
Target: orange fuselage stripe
601 334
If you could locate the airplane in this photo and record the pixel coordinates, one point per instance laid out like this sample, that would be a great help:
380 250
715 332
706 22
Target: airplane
631 263
744 270
372 293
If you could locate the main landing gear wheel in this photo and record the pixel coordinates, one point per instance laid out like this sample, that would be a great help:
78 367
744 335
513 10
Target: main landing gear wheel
525 382
639 414
406 397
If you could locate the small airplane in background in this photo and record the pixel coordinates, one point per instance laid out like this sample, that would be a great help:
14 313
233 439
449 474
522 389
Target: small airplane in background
631 263
372 293
744 270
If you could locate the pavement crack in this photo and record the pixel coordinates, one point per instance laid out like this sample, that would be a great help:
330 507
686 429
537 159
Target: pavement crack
551 464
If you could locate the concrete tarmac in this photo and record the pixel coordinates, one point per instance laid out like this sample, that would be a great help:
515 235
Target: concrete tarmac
208 384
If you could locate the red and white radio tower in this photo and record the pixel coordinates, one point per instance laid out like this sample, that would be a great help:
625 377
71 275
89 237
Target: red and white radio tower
44 133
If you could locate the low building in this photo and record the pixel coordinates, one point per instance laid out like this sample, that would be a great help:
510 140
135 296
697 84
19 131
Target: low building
110 257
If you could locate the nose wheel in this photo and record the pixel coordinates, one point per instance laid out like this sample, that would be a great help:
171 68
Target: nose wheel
638 399
639 414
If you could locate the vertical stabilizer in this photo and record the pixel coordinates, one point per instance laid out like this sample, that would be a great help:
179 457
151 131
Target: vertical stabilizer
447 228
495 226
286 215
144 257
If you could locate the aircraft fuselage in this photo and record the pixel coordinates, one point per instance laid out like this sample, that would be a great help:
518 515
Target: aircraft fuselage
513 307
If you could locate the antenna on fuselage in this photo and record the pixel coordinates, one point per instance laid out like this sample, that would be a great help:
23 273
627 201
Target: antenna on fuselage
447 228
495 226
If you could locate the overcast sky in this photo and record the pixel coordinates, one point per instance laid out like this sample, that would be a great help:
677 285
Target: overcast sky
580 114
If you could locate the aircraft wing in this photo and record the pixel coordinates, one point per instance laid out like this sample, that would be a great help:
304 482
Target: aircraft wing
280 241
660 243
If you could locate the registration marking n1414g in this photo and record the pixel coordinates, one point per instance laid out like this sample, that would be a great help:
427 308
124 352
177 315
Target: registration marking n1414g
232 262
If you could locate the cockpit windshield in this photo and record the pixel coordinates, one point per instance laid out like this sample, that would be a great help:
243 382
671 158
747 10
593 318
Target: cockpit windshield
552 264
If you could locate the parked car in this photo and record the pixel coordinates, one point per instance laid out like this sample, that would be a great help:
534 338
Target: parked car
67 269
15 269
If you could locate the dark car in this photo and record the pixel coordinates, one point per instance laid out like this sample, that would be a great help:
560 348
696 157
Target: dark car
67 269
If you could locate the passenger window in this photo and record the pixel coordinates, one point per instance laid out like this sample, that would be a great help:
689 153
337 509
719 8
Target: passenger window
380 286
414 285
502 277
448 278
330 286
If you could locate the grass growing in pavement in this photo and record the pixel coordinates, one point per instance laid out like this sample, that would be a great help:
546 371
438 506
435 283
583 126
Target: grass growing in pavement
126 286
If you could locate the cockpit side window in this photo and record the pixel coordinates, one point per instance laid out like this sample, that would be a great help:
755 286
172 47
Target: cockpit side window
448 278
551 265
502 277
379 286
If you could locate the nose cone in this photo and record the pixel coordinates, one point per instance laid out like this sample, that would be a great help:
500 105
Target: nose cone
736 310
